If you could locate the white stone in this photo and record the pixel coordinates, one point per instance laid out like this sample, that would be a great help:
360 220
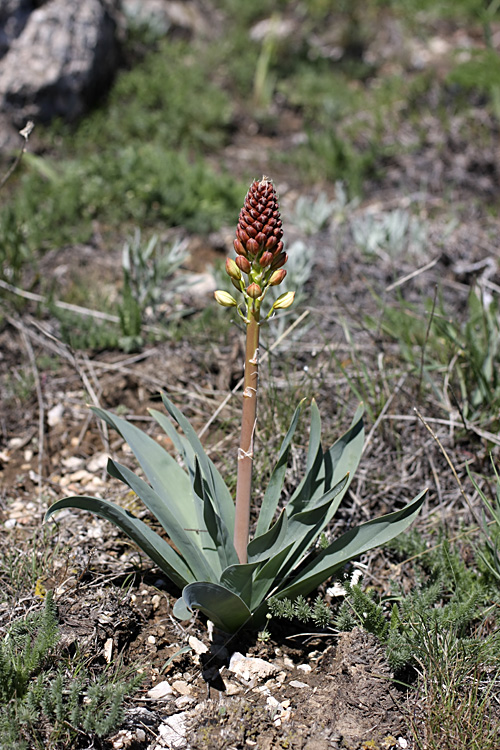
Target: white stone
298 684
160 691
174 731
251 668
197 646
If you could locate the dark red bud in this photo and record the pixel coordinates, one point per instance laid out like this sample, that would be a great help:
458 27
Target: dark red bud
260 237
243 263
251 231
239 247
279 260
252 246
266 258
271 242
242 236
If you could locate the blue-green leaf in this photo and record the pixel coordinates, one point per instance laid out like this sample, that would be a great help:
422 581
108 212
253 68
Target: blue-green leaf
312 484
344 456
165 475
266 577
275 486
262 547
352 544
187 540
221 539
238 579
160 552
305 527
218 489
226 609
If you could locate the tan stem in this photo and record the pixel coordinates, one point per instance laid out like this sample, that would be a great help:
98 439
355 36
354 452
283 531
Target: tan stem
248 420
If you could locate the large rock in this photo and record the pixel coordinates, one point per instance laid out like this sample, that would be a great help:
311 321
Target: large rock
13 17
62 59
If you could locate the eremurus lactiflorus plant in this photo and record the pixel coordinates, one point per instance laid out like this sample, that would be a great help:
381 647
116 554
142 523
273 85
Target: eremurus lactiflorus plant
208 553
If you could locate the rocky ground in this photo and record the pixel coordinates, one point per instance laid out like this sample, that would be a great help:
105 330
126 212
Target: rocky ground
292 687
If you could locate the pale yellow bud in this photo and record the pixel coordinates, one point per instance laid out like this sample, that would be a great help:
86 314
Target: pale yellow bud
284 301
225 299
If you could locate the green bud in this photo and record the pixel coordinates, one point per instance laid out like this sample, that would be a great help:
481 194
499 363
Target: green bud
225 299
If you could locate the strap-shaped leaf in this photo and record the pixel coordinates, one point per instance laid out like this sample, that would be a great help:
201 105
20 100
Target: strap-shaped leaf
160 552
305 527
181 443
344 456
218 489
165 475
352 544
218 534
262 547
238 579
312 484
265 578
188 540
226 609
272 495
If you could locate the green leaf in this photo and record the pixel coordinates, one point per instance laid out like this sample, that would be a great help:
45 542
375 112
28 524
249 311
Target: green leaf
312 484
218 532
181 610
267 577
352 544
305 527
344 456
262 547
226 609
160 552
188 540
181 443
275 486
165 475
218 489
238 579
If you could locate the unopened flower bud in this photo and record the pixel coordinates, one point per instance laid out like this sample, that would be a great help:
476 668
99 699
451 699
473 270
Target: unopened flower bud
277 277
271 242
225 299
252 246
279 260
254 290
239 247
237 284
284 301
243 263
265 258
232 269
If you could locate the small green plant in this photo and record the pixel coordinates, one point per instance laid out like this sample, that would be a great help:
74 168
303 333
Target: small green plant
489 550
465 352
46 701
221 573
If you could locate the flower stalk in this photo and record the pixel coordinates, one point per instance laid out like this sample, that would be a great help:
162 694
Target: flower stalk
260 257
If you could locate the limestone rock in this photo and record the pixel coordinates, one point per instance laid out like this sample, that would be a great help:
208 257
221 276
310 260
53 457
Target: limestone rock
64 57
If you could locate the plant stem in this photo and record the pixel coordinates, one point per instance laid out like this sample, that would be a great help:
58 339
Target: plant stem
248 421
